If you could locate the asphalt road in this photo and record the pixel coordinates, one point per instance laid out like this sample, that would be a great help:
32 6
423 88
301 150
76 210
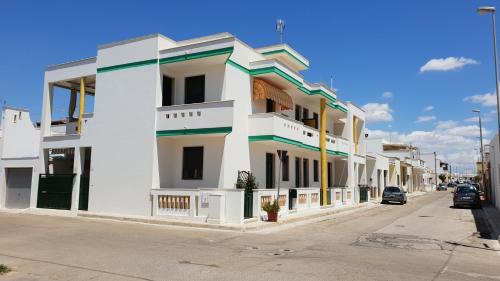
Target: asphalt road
423 240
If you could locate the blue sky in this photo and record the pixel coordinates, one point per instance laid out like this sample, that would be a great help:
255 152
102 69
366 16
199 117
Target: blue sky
369 47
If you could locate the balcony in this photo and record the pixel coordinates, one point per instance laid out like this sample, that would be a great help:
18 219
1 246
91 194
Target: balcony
263 126
67 128
196 118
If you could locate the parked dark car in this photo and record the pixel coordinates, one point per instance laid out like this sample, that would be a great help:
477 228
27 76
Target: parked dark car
394 194
441 186
466 195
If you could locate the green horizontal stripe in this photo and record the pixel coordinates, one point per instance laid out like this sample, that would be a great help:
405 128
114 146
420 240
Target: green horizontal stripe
286 52
293 142
198 55
202 131
127 65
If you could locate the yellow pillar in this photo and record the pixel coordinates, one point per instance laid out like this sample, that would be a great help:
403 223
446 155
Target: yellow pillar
322 147
82 105
355 134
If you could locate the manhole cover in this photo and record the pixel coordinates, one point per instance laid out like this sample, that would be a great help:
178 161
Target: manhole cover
276 254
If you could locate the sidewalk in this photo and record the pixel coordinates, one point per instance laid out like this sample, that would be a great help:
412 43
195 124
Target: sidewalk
493 217
250 225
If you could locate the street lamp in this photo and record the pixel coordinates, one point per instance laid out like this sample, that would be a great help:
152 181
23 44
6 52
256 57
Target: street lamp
481 148
491 10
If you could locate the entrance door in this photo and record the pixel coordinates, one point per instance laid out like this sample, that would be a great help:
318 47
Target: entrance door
329 171
298 182
18 188
54 191
305 167
269 170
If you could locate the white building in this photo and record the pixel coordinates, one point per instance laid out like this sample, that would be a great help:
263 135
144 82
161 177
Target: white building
174 122
406 165
494 151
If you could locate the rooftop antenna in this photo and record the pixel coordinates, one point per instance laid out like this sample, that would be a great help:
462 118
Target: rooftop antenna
280 27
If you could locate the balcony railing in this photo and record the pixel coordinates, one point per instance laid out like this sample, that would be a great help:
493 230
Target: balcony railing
272 124
69 128
218 114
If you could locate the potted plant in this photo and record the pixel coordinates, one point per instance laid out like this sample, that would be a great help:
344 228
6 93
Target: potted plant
272 210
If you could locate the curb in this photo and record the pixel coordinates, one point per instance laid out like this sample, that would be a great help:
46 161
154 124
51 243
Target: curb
305 218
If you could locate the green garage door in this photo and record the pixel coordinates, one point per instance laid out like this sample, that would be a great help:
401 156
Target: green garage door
54 191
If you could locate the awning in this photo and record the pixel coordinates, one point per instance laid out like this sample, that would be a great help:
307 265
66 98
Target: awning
263 90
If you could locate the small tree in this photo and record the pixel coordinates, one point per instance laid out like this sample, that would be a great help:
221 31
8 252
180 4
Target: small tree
442 177
248 182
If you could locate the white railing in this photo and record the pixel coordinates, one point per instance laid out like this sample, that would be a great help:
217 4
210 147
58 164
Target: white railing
70 128
308 198
175 202
262 196
278 125
195 116
204 204
337 196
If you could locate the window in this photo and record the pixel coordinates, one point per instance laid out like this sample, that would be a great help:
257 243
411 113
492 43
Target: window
315 168
269 170
285 163
15 118
316 120
298 110
305 167
167 91
330 174
297 172
194 91
270 105
20 114
192 163
305 113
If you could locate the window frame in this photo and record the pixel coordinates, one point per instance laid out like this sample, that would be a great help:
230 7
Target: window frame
186 88
184 176
315 170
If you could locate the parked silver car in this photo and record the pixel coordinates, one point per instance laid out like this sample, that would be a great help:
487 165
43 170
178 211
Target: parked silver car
394 194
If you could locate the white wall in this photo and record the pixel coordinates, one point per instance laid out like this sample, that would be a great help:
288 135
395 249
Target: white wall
214 81
170 157
258 152
123 154
20 138
495 171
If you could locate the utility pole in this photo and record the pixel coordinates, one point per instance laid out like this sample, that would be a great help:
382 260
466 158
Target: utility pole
435 169
481 150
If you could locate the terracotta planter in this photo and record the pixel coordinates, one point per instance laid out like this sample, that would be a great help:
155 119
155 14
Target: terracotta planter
272 216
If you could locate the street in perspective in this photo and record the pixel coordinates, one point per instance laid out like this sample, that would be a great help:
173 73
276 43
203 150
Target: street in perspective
167 141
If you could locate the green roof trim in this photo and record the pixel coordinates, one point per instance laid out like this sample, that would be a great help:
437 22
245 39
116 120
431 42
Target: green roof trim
286 52
202 131
198 55
238 66
273 69
340 107
127 65
293 142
